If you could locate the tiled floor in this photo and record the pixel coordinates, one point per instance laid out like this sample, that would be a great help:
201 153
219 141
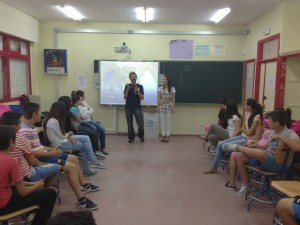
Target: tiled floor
156 183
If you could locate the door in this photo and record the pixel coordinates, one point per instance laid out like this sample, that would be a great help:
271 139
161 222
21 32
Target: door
267 85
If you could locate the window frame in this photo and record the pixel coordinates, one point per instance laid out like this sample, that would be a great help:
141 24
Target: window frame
6 54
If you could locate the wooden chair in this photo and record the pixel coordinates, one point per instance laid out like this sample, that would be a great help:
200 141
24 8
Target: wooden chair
283 156
4 220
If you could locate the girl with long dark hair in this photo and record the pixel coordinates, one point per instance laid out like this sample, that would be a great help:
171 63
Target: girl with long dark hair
85 115
217 132
252 129
166 106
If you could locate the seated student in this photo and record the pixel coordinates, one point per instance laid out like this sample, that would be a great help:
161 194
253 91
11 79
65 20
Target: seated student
222 121
73 218
55 133
93 134
85 115
288 210
69 163
22 194
70 125
252 130
264 159
31 168
219 133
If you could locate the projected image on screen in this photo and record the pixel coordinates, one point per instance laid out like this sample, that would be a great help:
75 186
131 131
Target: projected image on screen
114 77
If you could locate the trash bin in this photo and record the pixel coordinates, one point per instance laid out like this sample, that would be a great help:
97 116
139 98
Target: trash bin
151 124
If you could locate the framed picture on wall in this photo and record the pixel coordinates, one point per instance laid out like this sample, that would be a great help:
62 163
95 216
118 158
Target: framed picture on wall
55 61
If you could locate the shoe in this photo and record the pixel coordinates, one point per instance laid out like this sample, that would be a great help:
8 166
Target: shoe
104 152
203 137
99 154
29 217
230 147
142 140
211 171
230 187
98 165
89 188
245 190
87 204
167 139
130 142
90 173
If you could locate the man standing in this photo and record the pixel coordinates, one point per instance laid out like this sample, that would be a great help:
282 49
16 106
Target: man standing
133 94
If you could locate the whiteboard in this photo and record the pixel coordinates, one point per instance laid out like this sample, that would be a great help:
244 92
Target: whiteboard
114 75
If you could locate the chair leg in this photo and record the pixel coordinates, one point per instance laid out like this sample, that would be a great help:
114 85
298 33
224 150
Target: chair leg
56 186
265 190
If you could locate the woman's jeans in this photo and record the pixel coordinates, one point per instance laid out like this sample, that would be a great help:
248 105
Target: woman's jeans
83 144
240 140
99 128
93 134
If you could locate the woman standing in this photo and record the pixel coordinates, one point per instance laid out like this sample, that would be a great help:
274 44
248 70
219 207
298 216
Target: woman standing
166 106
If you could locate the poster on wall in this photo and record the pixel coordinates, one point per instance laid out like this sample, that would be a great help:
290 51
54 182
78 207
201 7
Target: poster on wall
55 61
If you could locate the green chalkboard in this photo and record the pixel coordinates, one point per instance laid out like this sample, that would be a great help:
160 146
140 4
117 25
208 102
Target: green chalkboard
205 82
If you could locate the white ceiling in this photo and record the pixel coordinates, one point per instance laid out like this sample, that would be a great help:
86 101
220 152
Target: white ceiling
166 11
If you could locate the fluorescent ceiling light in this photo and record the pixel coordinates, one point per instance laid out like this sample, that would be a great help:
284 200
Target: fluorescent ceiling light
220 14
144 14
70 12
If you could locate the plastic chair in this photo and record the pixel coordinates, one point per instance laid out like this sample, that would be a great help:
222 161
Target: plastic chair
4 220
283 156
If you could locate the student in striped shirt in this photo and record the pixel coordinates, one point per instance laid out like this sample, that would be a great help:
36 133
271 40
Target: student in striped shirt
69 163
31 168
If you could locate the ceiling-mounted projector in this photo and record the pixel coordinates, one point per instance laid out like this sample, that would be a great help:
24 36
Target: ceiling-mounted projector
122 49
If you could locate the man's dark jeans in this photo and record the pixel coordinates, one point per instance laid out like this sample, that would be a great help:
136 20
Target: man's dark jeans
138 114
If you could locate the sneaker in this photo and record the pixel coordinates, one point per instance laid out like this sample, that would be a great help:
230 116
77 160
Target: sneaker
87 204
104 152
98 165
230 147
129 142
230 187
89 188
100 155
245 190
90 173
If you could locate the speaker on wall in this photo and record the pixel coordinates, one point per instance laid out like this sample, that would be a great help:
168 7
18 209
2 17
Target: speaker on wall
96 66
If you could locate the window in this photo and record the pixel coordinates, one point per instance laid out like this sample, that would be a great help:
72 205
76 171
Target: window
14 68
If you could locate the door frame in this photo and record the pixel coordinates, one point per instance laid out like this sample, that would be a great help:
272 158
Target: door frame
279 95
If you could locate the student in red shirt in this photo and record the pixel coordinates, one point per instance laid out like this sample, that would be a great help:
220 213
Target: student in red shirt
15 194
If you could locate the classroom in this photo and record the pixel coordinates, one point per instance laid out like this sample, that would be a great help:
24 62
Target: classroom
268 48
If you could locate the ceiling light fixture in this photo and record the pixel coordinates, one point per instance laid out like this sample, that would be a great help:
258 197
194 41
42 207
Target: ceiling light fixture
144 14
70 12
220 14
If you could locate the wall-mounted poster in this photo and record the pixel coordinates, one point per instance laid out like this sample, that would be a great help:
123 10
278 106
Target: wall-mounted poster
55 61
